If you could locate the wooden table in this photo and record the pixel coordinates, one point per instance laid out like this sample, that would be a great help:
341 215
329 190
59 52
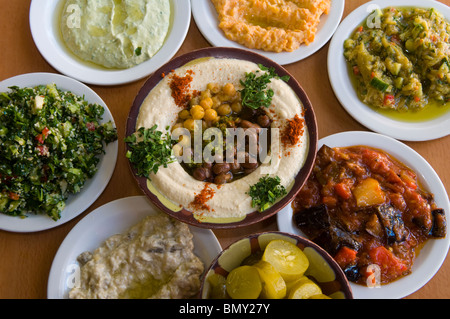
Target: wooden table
26 258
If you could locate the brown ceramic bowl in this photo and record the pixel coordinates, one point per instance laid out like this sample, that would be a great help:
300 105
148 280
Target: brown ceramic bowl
184 214
323 269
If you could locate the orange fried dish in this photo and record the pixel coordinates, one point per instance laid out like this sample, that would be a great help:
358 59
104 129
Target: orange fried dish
271 25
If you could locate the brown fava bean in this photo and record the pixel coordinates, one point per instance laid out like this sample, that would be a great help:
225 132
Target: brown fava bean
221 168
263 121
201 173
223 178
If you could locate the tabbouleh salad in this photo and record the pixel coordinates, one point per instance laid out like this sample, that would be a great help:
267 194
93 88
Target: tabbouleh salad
51 141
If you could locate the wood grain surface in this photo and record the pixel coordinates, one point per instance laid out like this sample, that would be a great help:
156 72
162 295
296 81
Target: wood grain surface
26 258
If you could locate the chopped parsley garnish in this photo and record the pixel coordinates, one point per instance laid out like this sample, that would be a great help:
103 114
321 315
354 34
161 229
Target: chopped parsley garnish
265 193
149 149
51 142
255 93
138 51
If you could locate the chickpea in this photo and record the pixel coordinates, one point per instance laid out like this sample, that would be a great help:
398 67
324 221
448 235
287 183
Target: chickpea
216 102
206 103
213 87
224 109
229 89
194 101
184 115
189 124
205 94
178 125
184 140
210 115
197 112
236 107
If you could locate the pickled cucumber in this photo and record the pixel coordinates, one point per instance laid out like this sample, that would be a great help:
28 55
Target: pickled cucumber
304 288
288 259
274 286
244 282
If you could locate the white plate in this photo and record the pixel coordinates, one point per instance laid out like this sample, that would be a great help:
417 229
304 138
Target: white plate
346 94
206 18
75 204
433 254
45 31
110 219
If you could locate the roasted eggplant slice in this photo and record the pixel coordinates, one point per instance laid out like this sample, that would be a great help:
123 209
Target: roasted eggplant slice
316 217
439 229
392 221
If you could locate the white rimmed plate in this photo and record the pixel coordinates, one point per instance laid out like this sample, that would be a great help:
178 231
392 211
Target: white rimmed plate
45 31
432 255
346 94
206 18
113 218
78 203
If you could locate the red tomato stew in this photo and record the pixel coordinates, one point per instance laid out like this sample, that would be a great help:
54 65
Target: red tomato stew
366 208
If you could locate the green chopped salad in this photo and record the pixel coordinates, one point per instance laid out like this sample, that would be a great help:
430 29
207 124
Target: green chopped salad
51 141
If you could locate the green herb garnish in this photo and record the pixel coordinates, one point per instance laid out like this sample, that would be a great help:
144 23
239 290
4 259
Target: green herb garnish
138 51
149 149
255 93
266 192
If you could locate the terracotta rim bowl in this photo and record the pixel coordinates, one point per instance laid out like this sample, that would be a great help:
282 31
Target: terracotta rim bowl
185 215
332 279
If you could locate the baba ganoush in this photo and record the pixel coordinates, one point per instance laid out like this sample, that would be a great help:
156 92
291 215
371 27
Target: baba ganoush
115 34
181 91
153 259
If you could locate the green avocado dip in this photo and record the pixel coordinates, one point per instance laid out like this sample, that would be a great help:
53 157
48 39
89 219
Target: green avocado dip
51 141
399 59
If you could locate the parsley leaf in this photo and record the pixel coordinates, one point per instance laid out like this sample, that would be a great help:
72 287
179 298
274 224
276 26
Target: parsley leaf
138 51
265 193
149 149
255 93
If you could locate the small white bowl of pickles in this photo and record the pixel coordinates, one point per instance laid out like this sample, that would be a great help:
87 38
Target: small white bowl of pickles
274 265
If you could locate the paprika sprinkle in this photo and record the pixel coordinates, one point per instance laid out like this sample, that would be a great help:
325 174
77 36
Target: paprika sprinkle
293 131
199 202
180 88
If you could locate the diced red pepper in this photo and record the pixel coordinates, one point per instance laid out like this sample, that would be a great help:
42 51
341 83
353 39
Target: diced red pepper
360 29
389 99
356 70
345 256
416 99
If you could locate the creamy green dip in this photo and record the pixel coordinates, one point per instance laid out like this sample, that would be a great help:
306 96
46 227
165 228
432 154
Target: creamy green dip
115 33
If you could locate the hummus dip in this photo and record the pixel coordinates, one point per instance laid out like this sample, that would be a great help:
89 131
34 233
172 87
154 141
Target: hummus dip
227 201
153 259
115 34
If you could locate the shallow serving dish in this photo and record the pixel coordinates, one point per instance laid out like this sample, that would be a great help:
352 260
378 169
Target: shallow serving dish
433 254
335 284
112 218
94 187
346 93
206 18
44 20
184 214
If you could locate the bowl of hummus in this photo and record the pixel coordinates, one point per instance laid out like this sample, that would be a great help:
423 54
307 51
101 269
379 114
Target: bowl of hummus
221 138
